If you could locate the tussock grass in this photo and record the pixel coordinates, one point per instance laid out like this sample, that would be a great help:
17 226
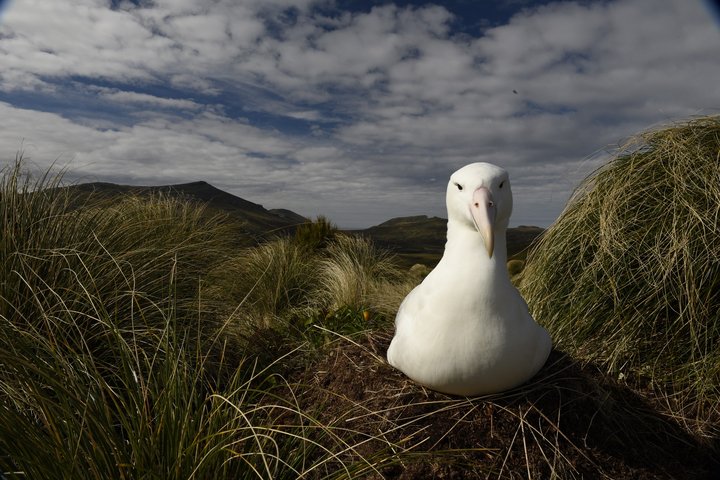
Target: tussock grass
149 407
629 275
50 237
316 235
385 296
352 270
271 282
290 280
292 292
114 365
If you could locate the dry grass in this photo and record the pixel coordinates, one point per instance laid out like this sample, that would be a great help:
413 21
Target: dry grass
352 270
629 275
113 366
267 283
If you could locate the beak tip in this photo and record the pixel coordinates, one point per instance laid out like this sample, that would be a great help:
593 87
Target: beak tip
489 244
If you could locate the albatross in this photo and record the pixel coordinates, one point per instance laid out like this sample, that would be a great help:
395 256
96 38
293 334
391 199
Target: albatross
465 330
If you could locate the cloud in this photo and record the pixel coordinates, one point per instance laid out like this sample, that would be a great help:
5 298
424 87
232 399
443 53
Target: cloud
360 115
145 99
49 40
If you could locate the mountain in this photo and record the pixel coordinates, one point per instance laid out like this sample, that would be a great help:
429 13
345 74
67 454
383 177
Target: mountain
421 239
257 221
417 239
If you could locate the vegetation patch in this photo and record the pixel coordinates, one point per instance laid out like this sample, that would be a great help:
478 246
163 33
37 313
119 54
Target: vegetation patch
140 337
115 360
629 275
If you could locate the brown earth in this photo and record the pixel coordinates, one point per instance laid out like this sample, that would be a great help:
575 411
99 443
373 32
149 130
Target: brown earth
570 421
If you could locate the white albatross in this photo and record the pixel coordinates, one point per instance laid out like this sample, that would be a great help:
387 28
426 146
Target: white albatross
465 330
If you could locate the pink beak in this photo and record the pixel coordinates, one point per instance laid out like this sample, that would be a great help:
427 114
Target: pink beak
483 212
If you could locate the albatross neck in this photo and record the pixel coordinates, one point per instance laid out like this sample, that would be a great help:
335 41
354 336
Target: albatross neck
463 241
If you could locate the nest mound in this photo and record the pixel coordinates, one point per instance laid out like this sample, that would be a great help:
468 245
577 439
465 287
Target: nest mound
570 421
629 275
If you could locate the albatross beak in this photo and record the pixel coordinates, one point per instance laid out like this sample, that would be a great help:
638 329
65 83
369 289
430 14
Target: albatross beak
483 211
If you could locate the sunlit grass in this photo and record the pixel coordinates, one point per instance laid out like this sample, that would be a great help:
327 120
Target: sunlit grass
351 271
629 275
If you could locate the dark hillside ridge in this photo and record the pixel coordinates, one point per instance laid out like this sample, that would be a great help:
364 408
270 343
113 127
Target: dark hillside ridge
421 239
289 215
198 191
257 221
416 239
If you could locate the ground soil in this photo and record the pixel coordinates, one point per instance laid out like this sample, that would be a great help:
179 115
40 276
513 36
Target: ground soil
570 421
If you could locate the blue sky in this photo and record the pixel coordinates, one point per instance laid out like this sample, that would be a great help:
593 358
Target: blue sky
358 110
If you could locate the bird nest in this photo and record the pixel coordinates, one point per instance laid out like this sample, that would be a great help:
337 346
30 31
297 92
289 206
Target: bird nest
570 421
629 275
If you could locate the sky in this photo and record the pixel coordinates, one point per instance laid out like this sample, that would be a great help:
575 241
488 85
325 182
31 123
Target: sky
356 110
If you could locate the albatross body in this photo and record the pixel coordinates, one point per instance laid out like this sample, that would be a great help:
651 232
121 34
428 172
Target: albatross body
465 330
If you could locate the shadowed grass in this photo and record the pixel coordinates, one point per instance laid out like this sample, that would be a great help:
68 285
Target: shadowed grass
148 407
315 235
48 239
629 275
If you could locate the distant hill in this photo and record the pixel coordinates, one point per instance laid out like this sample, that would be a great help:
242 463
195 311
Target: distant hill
418 239
421 239
257 221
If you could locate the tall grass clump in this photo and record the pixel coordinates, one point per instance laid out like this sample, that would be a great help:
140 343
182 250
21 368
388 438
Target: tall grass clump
629 275
99 333
276 293
54 236
352 269
267 283
150 406
316 235
274 281
140 409
112 365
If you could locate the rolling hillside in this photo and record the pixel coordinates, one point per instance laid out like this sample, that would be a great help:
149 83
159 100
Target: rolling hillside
257 222
421 239
416 239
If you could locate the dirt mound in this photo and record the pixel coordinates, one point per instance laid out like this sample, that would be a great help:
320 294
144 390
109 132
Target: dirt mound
571 421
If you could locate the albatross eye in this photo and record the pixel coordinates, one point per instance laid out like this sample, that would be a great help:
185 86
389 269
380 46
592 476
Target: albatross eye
460 187
501 184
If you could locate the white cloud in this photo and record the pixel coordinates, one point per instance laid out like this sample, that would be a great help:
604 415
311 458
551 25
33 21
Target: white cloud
392 96
145 99
58 39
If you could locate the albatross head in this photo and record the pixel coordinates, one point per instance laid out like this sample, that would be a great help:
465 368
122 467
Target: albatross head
479 199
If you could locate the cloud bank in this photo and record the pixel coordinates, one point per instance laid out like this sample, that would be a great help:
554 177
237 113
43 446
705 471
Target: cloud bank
360 115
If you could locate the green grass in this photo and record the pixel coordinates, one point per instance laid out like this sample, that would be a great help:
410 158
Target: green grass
629 275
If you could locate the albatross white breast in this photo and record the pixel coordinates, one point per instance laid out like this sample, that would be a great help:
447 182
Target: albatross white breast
465 330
